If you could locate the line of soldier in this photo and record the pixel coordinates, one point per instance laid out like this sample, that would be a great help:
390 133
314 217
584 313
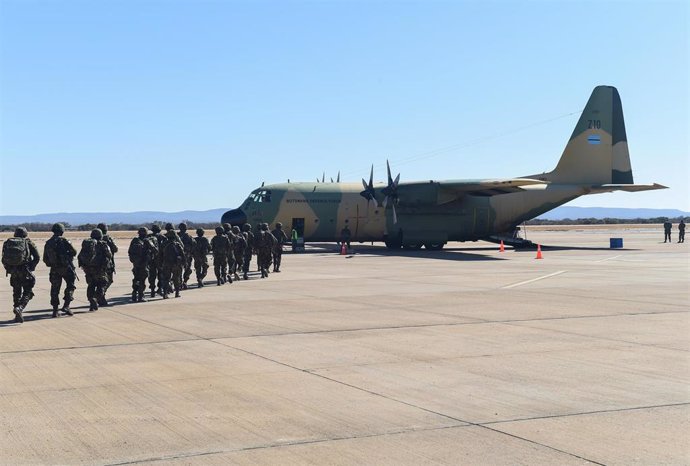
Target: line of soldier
166 260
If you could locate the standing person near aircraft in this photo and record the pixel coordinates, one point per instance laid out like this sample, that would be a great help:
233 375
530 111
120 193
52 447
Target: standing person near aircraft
219 247
265 243
140 251
173 262
345 236
681 231
188 243
111 268
667 230
58 255
95 258
227 231
249 237
239 249
281 238
20 257
155 262
202 247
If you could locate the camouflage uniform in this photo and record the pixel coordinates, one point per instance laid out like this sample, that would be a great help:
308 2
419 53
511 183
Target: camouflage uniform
249 238
188 243
156 262
265 244
22 278
96 268
58 254
227 231
281 238
202 247
667 231
173 262
239 248
111 268
219 246
681 231
140 252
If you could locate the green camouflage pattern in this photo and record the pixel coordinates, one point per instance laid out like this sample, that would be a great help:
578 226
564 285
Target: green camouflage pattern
431 213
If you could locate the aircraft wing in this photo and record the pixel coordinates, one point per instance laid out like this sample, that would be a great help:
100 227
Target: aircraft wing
487 187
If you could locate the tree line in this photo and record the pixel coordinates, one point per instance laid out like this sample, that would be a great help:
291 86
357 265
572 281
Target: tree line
603 221
41 226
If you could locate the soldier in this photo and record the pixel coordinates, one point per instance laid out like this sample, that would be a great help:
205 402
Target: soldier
188 243
173 262
281 238
155 262
202 247
239 249
141 250
667 230
111 268
681 231
249 238
20 257
227 231
58 254
95 258
266 244
219 246
345 236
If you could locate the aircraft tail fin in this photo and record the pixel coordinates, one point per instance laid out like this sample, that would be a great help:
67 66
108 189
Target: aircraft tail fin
597 152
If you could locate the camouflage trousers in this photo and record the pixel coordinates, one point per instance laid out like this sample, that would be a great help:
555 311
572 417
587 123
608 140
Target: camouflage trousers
201 267
231 262
238 266
140 273
57 275
264 258
277 257
154 273
220 266
247 260
187 268
97 282
172 277
109 275
22 281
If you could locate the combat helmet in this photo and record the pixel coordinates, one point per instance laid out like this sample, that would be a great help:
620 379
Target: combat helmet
182 226
21 232
219 230
155 228
58 228
226 227
236 230
103 227
247 227
279 226
142 231
96 233
169 226
200 231
264 227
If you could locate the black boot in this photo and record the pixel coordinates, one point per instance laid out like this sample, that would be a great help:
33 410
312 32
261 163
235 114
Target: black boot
134 296
177 293
55 310
93 305
246 276
66 310
18 317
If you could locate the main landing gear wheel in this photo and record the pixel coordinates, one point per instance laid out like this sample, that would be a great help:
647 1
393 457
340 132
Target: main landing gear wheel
434 246
393 245
412 247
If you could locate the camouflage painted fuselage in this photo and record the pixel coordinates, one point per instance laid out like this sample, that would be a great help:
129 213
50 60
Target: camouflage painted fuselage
431 213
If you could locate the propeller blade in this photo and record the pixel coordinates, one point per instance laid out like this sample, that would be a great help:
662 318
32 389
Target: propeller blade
323 177
331 179
390 179
397 178
337 180
371 176
395 216
385 202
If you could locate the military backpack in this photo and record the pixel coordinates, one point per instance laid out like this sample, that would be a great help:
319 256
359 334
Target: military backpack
55 254
138 251
87 255
15 252
173 253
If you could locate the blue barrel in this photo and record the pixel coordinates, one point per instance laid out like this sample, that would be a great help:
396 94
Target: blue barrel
616 243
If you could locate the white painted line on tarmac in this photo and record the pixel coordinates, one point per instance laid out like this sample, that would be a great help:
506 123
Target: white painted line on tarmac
534 279
610 258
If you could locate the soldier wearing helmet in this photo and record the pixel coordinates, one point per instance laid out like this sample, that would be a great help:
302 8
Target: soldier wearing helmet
58 255
249 238
202 247
239 248
95 258
111 268
140 252
220 244
281 238
188 243
227 231
265 245
155 266
20 257
173 262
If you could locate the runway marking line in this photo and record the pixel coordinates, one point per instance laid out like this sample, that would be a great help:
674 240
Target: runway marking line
610 258
534 279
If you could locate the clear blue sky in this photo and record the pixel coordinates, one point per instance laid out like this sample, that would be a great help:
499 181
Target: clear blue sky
163 105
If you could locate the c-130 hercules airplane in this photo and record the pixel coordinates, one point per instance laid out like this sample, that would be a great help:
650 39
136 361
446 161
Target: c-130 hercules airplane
431 213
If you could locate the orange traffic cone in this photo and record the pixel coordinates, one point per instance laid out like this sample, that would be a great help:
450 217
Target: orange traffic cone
539 256
502 248
343 249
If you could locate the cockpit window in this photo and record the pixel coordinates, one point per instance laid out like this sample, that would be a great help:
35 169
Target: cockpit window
263 195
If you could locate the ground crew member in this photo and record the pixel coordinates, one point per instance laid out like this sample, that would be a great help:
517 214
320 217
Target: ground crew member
345 236
95 258
20 257
667 230
111 268
140 252
281 238
681 231
188 243
202 247
219 247
58 254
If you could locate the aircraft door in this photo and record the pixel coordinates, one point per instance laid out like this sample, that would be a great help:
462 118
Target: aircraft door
298 225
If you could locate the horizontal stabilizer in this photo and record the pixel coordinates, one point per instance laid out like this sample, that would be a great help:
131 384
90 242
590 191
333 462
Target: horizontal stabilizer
631 188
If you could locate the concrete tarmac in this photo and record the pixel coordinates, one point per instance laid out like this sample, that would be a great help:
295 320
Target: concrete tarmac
464 356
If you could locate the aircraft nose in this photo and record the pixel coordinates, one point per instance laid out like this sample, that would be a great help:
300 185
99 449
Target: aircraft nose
234 217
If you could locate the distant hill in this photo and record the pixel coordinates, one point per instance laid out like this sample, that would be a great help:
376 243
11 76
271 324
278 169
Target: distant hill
143 217
563 212
213 215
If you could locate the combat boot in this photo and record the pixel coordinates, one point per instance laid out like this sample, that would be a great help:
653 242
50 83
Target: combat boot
55 310
153 292
246 276
93 305
177 293
237 277
229 278
184 286
141 298
134 296
200 283
102 302
18 317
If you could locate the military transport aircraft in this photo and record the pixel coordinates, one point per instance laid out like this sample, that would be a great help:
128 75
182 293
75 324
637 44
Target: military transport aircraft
431 213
